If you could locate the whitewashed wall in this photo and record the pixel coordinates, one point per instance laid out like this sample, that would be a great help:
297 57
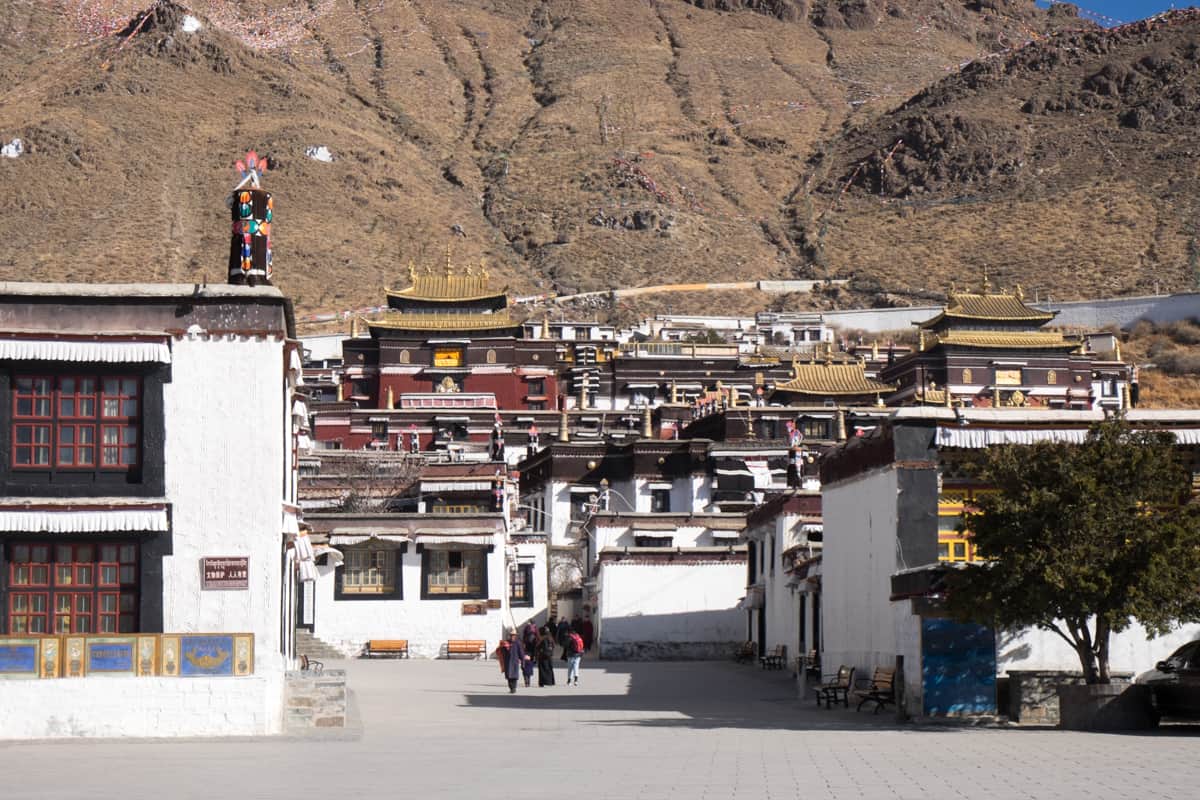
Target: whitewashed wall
228 430
141 707
426 624
537 612
859 558
671 610
1129 651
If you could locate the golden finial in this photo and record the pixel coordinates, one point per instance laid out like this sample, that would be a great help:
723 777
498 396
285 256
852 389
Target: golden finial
449 269
987 284
412 272
1019 292
874 349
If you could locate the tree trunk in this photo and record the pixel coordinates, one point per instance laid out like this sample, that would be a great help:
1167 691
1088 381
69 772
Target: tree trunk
1102 637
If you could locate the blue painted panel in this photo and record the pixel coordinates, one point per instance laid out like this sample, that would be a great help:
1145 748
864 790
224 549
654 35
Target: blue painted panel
206 655
958 668
18 658
110 657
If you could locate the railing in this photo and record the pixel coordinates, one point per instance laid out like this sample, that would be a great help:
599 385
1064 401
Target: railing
684 349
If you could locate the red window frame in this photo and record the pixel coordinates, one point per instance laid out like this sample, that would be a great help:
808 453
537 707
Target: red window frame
81 587
77 422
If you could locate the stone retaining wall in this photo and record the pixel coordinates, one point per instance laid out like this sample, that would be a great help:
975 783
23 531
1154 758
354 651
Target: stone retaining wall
1033 694
314 700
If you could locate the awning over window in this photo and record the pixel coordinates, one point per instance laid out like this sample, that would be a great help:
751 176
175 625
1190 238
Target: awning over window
84 520
456 486
107 351
449 538
986 437
362 537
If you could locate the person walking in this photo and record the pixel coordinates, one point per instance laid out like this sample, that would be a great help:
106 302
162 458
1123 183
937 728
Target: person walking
545 658
515 659
560 635
588 632
529 641
574 651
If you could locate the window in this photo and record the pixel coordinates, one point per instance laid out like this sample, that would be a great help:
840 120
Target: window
76 422
69 587
448 356
815 427
454 573
535 512
660 501
368 573
583 505
379 431
536 387
641 540
536 405
520 585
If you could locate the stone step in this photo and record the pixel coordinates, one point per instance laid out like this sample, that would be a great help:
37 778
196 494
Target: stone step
311 646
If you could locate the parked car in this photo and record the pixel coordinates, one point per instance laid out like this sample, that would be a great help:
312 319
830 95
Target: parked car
1175 683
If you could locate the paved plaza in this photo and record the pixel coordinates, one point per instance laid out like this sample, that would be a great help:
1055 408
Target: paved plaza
661 730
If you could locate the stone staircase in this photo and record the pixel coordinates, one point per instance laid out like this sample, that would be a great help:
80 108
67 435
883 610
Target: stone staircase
311 646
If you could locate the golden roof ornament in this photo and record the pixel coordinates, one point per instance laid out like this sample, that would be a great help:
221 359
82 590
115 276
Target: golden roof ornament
1020 293
987 284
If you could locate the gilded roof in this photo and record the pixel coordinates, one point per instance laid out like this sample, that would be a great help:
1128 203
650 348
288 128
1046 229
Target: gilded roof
832 378
1031 340
448 285
987 306
444 322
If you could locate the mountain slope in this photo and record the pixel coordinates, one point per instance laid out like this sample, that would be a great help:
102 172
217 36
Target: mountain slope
1069 165
574 145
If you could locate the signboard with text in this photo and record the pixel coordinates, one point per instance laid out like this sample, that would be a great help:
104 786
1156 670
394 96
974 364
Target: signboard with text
228 572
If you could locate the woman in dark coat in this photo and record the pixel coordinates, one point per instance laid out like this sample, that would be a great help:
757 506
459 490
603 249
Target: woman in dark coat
545 658
515 661
529 639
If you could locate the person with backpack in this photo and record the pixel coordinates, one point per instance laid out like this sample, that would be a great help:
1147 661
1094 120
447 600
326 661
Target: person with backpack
574 650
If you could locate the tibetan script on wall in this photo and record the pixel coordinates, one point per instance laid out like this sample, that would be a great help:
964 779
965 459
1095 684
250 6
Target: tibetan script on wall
225 572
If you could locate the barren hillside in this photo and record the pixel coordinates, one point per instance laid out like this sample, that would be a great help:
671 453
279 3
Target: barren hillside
1069 165
573 144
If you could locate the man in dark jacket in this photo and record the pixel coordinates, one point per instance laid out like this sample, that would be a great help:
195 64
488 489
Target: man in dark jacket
514 660
560 635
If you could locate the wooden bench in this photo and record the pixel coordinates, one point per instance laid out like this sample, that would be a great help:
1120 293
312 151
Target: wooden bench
775 659
310 664
744 653
466 647
387 647
838 687
881 690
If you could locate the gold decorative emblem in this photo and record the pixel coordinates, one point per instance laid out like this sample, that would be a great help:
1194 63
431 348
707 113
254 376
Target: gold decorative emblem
491 356
207 661
447 386
1051 377
967 375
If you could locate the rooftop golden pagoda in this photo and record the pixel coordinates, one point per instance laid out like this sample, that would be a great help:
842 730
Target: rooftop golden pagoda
987 308
832 378
448 285
445 299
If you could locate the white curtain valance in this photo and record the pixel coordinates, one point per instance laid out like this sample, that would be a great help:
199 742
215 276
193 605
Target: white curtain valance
84 521
85 350
362 538
456 486
986 437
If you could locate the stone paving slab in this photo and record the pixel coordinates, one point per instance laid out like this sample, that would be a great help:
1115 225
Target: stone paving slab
630 730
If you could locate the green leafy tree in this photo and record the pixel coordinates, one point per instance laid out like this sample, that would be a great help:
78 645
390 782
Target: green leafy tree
1084 539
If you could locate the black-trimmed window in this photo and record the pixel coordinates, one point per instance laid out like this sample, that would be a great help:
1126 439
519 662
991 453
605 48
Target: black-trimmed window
453 574
660 501
520 586
76 422
82 429
370 573
644 540
72 587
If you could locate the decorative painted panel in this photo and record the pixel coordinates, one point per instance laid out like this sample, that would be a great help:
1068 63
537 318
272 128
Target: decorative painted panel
20 657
